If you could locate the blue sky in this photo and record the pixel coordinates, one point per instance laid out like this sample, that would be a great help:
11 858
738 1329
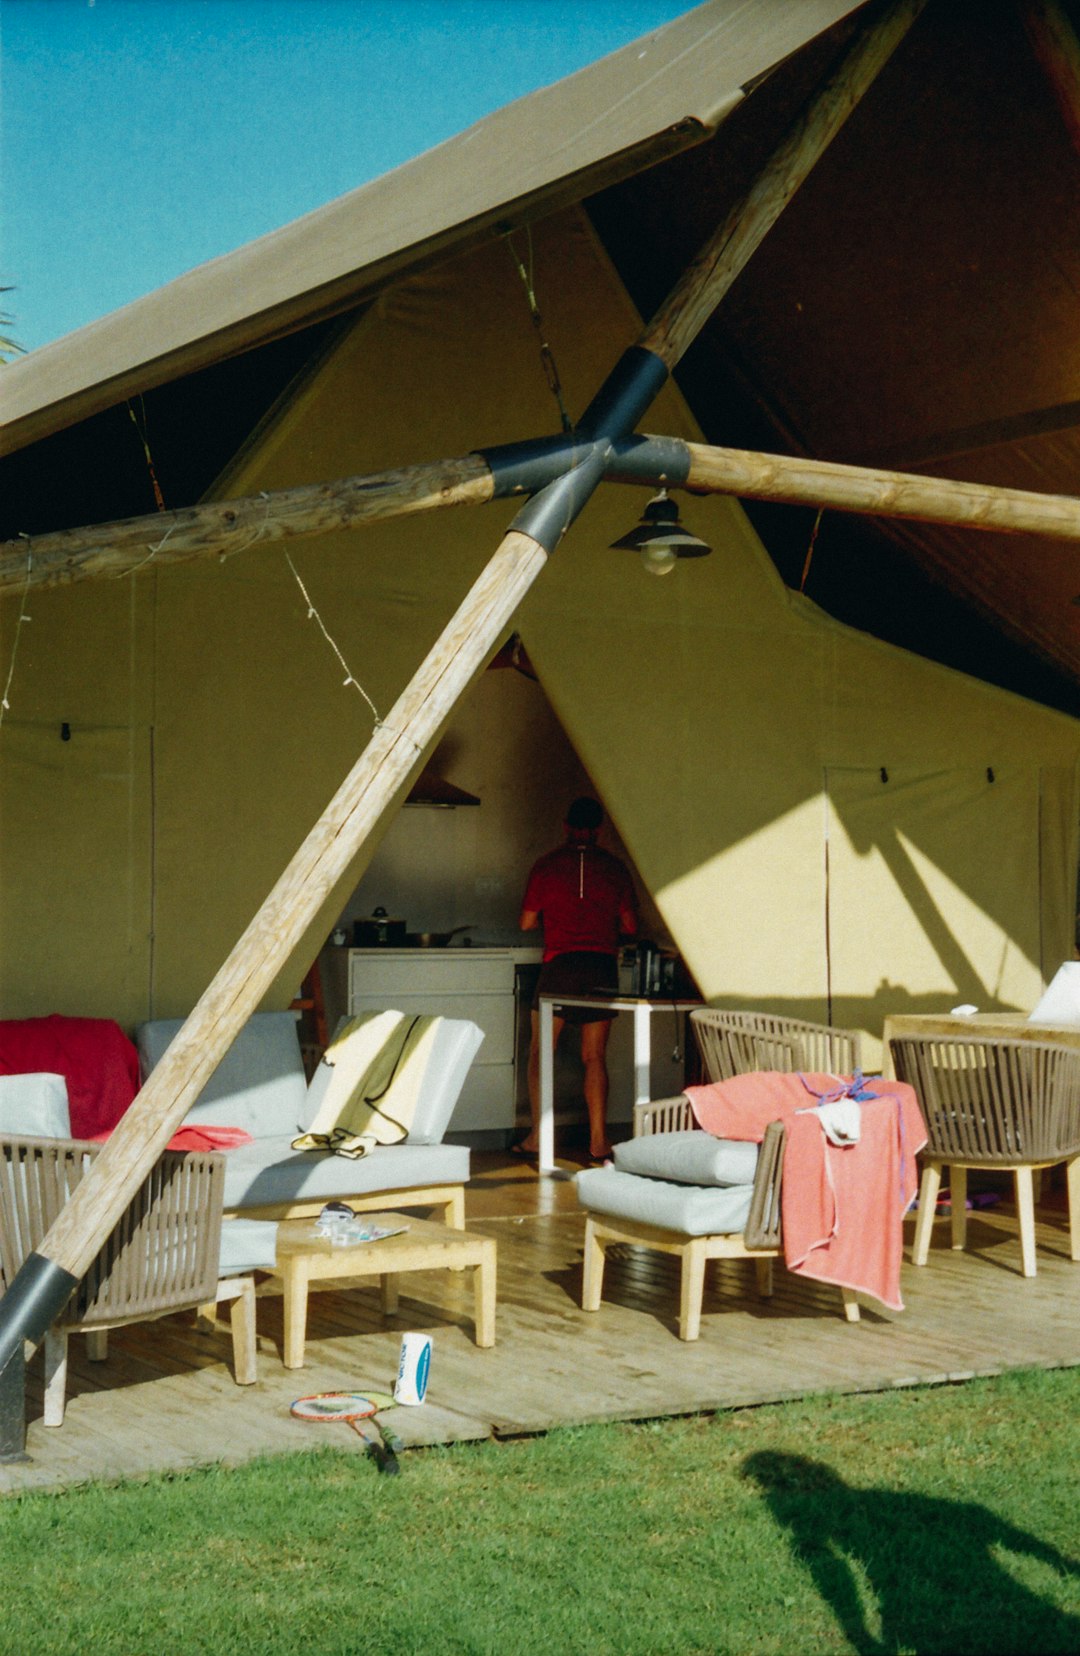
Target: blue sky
141 137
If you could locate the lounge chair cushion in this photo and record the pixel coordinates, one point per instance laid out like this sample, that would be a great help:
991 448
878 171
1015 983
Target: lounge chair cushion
34 1105
693 1157
270 1173
260 1083
692 1210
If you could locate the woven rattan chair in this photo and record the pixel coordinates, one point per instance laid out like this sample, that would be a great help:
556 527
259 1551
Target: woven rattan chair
736 1043
760 1238
162 1257
730 1043
994 1103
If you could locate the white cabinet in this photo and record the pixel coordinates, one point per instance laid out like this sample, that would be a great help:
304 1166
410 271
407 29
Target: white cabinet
453 983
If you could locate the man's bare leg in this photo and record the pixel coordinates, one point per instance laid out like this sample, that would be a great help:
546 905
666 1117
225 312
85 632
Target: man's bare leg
530 1144
594 1040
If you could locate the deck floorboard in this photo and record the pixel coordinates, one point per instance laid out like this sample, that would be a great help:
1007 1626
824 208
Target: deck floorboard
165 1399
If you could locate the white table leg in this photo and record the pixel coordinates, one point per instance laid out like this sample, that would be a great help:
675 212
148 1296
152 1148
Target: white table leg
546 1159
642 1054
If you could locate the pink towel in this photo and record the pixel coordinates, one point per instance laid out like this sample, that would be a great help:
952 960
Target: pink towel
842 1208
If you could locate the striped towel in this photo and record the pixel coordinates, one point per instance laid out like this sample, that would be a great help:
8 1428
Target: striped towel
370 1081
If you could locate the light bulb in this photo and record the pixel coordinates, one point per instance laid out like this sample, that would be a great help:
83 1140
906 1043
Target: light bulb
658 559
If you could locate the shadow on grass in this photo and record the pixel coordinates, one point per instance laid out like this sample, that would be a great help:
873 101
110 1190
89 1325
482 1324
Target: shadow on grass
914 1573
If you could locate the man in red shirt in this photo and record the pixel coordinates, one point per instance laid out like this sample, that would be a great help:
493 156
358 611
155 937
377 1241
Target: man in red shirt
583 898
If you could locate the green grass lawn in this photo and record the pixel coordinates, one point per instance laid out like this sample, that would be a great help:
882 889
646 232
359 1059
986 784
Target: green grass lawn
918 1521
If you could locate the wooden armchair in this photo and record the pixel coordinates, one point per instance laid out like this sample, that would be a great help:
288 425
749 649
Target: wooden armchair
646 1212
991 1102
735 1043
623 1208
163 1255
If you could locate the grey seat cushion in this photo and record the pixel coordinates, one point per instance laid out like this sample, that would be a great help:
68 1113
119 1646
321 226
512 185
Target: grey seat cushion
270 1172
694 1210
260 1083
694 1157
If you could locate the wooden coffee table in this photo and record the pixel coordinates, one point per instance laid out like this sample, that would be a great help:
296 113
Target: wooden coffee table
304 1257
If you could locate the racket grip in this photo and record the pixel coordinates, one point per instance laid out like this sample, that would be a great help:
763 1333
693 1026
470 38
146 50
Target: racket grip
389 1462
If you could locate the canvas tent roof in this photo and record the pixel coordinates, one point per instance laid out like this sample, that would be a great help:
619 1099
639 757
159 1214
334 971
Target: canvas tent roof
652 98
912 307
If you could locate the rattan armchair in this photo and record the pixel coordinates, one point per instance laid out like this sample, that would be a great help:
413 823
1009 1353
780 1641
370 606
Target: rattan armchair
730 1043
163 1255
993 1103
736 1043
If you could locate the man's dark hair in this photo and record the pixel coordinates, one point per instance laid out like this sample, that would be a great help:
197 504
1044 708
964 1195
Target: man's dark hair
585 813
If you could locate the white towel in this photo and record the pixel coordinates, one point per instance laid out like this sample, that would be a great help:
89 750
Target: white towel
841 1121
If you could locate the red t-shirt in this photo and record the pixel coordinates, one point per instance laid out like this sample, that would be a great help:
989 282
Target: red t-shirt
580 892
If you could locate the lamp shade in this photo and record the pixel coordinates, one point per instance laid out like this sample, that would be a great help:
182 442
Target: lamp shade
660 538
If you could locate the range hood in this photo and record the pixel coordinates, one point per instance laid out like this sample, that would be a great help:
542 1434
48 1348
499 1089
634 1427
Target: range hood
433 790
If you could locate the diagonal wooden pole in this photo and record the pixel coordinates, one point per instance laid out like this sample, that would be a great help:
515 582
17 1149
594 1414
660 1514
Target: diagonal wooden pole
44 1284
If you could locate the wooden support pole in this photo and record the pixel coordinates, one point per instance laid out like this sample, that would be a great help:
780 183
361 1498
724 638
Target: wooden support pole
714 270
798 482
222 527
47 1279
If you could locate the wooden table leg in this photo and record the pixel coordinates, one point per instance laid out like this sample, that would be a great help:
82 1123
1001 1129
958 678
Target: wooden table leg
388 1284
295 1297
485 1297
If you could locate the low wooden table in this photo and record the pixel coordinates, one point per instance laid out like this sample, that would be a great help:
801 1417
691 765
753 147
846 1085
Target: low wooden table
304 1257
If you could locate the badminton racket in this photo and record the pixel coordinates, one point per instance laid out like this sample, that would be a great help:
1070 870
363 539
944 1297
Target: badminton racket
350 1408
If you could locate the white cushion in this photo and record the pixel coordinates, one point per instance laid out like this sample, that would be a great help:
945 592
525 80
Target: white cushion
693 1157
34 1105
1060 1004
270 1173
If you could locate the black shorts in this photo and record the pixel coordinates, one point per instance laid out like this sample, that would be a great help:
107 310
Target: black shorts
583 972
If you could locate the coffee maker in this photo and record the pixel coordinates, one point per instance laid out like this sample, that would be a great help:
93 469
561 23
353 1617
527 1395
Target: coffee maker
654 973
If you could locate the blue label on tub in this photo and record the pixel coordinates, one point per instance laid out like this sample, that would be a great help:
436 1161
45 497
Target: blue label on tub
422 1371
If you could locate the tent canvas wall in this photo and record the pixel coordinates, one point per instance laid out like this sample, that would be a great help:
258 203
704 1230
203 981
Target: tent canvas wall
827 824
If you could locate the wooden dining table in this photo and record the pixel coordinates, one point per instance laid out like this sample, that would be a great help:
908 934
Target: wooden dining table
1010 1026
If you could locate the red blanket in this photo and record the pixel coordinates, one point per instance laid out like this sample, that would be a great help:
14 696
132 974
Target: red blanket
842 1208
95 1057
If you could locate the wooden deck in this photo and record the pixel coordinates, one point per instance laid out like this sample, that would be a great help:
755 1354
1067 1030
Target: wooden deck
166 1399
